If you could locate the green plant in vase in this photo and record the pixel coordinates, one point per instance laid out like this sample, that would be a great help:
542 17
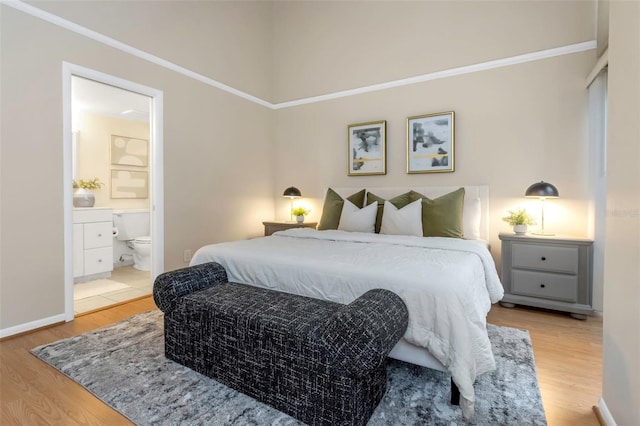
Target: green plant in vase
520 220
300 213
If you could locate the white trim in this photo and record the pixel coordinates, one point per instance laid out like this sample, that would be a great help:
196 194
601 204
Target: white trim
602 63
156 170
101 38
67 190
483 66
606 414
28 326
498 63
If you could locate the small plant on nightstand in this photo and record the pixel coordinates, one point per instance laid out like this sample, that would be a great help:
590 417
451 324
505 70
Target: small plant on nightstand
520 220
300 213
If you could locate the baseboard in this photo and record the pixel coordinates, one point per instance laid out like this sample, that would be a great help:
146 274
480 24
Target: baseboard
605 414
31 326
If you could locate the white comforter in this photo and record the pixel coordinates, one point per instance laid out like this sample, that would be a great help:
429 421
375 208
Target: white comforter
447 284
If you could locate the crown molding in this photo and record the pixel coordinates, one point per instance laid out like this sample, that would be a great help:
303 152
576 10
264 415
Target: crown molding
483 66
101 38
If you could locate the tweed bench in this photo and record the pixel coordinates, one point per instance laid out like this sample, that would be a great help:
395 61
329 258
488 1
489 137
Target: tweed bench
320 362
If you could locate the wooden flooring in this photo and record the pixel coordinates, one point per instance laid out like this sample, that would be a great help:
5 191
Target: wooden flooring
567 352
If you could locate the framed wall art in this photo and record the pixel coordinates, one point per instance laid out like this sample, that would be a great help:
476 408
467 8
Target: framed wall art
430 143
367 147
129 184
126 151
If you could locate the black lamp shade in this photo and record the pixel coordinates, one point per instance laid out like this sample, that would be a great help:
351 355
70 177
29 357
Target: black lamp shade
292 192
542 190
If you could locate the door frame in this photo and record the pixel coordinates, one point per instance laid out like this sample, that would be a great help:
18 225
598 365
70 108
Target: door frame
156 172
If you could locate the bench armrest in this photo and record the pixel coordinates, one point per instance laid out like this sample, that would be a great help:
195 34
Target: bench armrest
358 337
171 286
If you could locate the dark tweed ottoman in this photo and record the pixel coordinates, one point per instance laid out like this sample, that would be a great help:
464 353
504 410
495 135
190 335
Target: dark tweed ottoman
320 362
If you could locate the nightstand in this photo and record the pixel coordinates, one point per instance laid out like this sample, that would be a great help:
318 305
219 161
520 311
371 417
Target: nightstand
552 272
271 227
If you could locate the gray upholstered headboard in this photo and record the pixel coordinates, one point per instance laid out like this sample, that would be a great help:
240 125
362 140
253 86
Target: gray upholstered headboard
474 195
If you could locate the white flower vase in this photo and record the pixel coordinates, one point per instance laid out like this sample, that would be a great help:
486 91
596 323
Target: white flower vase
520 229
83 198
300 218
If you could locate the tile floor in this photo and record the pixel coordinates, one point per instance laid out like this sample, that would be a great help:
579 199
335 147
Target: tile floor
139 281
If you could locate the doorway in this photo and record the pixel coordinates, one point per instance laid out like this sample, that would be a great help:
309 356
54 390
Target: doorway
112 133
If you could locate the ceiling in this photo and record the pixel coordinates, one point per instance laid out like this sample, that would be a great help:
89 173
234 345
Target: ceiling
99 98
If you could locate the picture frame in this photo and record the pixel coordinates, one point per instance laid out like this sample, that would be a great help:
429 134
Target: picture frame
129 184
128 151
431 143
367 148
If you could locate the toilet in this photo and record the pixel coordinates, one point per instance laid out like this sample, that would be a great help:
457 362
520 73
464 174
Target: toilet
132 227
142 253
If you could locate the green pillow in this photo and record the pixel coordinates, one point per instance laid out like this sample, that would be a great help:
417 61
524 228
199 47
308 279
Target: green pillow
442 217
332 208
400 201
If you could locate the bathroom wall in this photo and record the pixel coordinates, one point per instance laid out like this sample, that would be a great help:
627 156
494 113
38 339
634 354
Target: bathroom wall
94 155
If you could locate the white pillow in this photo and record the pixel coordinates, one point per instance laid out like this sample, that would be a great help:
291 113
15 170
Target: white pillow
354 219
404 221
471 214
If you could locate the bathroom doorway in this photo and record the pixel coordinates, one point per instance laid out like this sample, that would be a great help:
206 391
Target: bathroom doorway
113 145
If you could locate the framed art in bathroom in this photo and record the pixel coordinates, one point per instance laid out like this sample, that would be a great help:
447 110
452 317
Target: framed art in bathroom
366 148
127 151
430 143
129 184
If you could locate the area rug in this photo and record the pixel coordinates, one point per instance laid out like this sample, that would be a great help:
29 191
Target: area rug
124 365
96 288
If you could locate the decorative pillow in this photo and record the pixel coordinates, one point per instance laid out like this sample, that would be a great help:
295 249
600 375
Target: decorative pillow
471 216
357 220
399 201
442 217
404 221
332 208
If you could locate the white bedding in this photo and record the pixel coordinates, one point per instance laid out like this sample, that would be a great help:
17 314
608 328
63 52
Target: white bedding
447 284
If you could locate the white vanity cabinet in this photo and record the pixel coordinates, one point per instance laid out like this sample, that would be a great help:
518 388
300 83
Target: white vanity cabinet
92 243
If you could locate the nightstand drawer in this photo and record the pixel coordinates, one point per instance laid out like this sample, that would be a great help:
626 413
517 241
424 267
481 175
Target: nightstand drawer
545 258
549 286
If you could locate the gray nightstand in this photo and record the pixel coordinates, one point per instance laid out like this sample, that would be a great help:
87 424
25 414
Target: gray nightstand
548 272
271 227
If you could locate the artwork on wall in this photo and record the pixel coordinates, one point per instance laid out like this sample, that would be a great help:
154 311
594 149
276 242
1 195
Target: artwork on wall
126 151
367 145
430 143
129 184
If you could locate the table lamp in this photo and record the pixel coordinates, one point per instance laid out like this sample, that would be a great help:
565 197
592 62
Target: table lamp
542 190
291 193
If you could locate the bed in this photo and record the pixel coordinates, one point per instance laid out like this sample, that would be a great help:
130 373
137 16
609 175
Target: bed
448 284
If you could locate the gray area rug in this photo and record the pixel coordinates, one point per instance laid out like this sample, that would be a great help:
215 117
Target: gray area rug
123 364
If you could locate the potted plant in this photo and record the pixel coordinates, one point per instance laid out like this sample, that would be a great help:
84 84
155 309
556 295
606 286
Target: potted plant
83 196
520 220
300 213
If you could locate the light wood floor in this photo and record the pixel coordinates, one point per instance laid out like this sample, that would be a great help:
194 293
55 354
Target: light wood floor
567 352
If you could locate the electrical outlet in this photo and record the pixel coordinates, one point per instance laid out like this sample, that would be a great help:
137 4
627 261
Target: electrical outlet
188 255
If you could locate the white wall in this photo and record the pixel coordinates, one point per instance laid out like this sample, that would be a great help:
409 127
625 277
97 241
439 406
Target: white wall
621 338
514 125
324 47
214 190
226 40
